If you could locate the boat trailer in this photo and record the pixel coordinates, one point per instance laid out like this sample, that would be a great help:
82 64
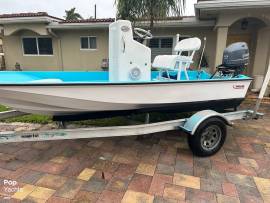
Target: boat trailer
207 129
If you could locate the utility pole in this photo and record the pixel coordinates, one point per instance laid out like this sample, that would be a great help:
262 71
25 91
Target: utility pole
95 11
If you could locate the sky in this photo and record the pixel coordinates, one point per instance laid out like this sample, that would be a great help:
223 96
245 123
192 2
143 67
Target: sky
105 8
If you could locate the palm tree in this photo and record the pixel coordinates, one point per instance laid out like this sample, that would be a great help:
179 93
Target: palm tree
151 10
72 15
129 9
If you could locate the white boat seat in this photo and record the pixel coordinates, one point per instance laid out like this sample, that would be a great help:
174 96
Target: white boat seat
169 61
178 62
190 44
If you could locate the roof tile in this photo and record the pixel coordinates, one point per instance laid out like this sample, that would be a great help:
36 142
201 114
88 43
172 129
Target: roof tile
92 20
44 14
38 14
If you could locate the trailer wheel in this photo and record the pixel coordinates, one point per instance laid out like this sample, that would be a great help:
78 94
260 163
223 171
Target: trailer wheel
208 138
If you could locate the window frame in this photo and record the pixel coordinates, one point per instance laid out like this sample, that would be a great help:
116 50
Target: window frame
155 38
160 43
38 54
167 38
88 49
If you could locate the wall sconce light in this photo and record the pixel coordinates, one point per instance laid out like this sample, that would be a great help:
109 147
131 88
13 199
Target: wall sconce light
244 24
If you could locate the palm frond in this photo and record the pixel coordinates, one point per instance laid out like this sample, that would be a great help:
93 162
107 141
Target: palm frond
151 10
72 15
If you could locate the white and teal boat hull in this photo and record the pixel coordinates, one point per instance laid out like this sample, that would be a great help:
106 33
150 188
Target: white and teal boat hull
59 94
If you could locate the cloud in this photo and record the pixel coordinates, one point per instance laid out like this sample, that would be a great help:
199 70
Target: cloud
105 8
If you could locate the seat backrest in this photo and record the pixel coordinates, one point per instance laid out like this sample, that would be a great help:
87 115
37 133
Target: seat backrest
190 44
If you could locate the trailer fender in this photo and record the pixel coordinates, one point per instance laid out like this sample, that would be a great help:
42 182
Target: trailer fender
192 123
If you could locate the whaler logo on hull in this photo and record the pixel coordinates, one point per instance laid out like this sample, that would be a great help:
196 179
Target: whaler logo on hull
239 87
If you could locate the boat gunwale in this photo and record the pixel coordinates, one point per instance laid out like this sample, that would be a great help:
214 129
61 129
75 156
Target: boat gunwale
124 83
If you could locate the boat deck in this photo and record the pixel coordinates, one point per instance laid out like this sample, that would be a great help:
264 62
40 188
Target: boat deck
29 77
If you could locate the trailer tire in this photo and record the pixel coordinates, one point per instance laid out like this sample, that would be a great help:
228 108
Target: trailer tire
208 138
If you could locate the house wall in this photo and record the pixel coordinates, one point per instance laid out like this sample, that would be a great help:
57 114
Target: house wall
76 59
261 61
1 46
39 28
227 18
67 54
1 54
13 50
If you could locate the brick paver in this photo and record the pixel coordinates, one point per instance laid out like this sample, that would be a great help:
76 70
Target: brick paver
186 181
137 197
157 168
42 193
174 192
86 174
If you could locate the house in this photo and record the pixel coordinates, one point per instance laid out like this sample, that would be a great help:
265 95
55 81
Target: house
38 41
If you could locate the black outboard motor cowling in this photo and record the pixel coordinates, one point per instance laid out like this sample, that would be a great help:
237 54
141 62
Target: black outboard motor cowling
235 59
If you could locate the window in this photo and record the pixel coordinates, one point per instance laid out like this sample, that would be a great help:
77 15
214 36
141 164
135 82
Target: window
166 43
30 46
45 46
154 43
88 43
37 46
161 43
84 43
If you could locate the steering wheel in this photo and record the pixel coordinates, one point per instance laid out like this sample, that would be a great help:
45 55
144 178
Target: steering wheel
143 34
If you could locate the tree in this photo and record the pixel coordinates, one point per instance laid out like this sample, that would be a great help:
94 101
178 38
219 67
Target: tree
72 15
151 10
129 9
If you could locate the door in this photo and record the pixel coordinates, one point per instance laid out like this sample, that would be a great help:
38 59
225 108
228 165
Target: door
238 38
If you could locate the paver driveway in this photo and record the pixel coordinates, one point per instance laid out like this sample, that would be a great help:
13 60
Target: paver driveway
159 168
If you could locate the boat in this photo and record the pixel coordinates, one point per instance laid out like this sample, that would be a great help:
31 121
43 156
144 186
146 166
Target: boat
130 86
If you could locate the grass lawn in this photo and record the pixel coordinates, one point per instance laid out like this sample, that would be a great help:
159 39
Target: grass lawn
3 108
40 119
28 118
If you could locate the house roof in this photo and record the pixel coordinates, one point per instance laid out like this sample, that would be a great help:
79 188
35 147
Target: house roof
28 15
58 23
52 21
232 4
60 20
183 21
82 24
92 20
208 9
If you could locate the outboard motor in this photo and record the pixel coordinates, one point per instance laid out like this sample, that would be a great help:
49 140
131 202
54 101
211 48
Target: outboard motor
235 59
